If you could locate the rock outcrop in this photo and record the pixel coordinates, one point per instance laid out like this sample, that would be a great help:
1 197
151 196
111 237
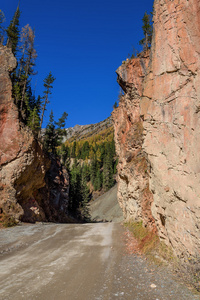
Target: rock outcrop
169 114
134 195
29 189
170 106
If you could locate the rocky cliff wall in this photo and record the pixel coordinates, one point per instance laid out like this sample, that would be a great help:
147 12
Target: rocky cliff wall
32 187
134 195
169 114
171 106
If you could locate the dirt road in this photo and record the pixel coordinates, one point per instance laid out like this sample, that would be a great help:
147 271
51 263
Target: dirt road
85 262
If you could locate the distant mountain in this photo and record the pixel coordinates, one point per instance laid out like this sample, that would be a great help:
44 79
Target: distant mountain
79 132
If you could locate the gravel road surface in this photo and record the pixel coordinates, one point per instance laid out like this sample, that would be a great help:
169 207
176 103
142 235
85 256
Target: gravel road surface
79 261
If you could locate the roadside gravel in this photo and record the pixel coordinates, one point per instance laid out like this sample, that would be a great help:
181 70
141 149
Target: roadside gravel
80 261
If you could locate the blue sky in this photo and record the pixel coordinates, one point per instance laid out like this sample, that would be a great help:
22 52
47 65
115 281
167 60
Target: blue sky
82 43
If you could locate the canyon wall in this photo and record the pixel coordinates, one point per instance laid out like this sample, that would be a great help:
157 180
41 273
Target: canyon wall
134 195
169 113
32 187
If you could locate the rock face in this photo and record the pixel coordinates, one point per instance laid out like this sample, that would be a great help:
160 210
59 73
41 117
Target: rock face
134 195
79 132
29 191
169 107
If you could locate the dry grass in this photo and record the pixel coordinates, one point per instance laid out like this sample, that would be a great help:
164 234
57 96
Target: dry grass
7 221
148 243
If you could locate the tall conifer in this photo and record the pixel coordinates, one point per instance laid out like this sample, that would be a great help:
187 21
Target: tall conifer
2 29
147 30
47 92
13 32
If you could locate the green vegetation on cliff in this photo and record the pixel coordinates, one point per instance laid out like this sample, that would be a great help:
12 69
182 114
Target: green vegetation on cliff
147 30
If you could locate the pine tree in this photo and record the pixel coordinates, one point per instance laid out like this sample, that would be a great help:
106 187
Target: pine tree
98 181
33 121
48 87
93 170
147 30
98 156
50 137
108 180
13 32
60 130
73 152
22 92
78 152
31 111
75 196
86 172
85 150
54 133
2 29
85 193
63 153
27 61
115 105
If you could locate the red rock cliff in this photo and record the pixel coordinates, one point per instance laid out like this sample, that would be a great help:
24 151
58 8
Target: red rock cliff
32 188
169 107
134 195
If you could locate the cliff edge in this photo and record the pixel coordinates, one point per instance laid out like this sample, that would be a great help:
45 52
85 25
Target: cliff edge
134 195
32 187
166 116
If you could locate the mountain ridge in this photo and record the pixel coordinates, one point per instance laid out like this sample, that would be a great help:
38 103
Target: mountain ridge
79 132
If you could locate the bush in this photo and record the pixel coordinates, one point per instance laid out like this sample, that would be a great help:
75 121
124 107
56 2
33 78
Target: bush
7 221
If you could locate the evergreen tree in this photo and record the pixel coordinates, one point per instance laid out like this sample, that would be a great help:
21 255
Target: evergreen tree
85 193
98 181
50 137
108 180
16 92
147 30
98 156
85 150
60 130
102 149
99 166
53 135
13 32
48 81
75 197
86 172
93 170
115 105
33 120
64 154
22 92
2 29
79 193
73 152
27 61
